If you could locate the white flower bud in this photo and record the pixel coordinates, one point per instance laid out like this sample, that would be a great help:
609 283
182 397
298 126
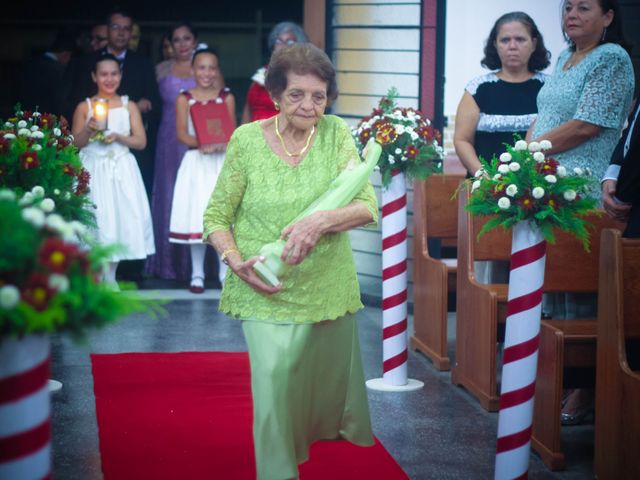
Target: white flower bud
497 176
504 203
397 151
503 168
537 192
505 157
9 297
37 134
24 132
479 173
9 136
56 222
475 185
34 216
6 194
569 195
58 282
47 205
34 128
512 190
545 144
578 171
57 132
520 145
561 171
37 147
56 191
534 147
38 191
8 125
514 166
21 124
538 157
26 199
551 178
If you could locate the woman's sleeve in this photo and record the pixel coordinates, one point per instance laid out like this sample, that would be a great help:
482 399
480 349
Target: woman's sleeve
347 151
603 100
220 213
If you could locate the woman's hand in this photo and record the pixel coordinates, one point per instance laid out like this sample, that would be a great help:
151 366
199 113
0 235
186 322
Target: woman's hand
213 148
245 271
92 126
302 237
615 209
110 138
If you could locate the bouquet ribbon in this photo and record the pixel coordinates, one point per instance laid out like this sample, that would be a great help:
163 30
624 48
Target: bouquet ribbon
340 193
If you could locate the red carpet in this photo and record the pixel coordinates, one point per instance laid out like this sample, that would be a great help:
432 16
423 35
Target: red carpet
188 416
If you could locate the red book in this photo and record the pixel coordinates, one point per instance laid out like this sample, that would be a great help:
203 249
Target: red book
211 122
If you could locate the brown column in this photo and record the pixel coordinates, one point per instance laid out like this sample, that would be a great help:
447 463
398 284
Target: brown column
314 21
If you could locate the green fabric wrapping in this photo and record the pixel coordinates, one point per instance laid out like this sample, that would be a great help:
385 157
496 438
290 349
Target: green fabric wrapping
307 384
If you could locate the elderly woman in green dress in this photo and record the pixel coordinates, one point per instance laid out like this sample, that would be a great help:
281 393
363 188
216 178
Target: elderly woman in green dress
307 379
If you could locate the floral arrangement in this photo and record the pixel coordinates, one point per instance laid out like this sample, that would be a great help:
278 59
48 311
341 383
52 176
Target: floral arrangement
525 184
409 142
47 281
36 149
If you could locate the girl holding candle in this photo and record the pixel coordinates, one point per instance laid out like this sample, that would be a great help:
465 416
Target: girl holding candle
122 209
200 165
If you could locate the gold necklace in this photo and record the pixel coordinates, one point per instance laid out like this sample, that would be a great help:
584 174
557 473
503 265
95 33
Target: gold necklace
284 147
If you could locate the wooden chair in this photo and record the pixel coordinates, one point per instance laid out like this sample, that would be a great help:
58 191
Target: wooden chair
617 428
567 348
435 217
479 307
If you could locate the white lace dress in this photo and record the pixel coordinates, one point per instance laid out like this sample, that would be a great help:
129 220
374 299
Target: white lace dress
196 179
116 189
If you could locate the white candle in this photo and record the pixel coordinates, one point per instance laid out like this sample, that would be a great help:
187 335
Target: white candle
101 113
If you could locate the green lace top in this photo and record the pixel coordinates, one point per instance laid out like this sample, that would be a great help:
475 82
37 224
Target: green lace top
257 194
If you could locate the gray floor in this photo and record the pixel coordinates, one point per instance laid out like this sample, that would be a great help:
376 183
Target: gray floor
439 432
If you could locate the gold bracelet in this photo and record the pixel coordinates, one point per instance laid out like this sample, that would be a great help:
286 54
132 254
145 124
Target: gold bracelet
225 254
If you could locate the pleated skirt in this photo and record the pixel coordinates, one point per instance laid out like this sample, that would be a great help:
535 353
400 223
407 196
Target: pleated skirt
307 384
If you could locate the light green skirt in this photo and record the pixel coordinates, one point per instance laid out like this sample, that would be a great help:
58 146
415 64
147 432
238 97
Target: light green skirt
307 384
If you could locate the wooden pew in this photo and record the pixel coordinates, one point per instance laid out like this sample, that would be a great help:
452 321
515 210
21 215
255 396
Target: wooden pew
479 307
435 217
565 345
617 428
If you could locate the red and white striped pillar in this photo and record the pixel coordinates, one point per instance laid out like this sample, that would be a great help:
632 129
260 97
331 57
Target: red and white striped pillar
520 358
25 426
394 289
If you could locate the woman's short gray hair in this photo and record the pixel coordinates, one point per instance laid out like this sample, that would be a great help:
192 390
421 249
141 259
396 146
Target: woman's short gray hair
286 27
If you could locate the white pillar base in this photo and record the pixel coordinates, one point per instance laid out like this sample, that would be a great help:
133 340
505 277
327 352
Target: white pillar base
379 385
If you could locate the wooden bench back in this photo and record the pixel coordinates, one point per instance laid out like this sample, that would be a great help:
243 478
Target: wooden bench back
631 287
569 267
441 210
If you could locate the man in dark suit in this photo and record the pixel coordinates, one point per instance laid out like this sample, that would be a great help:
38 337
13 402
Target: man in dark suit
41 81
621 184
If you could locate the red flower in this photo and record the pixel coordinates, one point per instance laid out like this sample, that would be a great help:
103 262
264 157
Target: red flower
37 292
62 143
376 111
68 169
47 120
365 135
553 202
411 151
386 134
83 182
29 160
379 124
4 145
548 167
57 255
526 202
26 115
428 133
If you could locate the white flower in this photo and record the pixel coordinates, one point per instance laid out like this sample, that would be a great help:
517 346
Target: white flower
404 159
34 216
37 147
59 282
475 185
504 203
534 147
398 151
414 135
479 173
569 195
399 129
9 297
497 176
391 160
26 199
36 114
505 157
24 132
21 124
578 171
503 168
6 194
587 171
9 136
56 222
537 192
551 178
34 128
512 190
56 191
78 227
520 145
47 205
57 132
514 166
37 134
561 171
8 125
38 191
545 144
538 157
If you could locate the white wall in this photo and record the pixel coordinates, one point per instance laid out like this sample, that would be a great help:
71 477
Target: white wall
468 25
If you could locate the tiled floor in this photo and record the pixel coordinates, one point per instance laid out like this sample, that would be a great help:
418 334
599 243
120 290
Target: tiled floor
439 432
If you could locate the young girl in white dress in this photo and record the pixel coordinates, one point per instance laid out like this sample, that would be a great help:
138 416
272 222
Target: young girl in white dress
200 165
116 189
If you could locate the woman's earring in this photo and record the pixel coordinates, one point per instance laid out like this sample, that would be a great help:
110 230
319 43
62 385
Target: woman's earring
275 104
604 34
